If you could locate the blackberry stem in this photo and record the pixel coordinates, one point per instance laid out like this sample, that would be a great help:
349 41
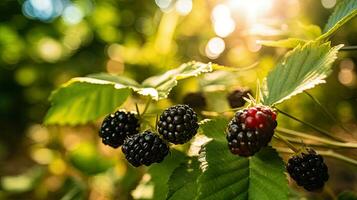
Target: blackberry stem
327 153
310 125
317 102
326 142
290 145
146 106
137 110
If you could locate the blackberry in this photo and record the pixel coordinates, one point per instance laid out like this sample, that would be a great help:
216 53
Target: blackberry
117 127
308 170
250 130
178 124
235 98
195 100
144 149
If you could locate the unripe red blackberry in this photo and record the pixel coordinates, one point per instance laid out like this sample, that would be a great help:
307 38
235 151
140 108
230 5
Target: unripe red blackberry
235 98
145 149
178 124
308 170
250 130
117 127
195 100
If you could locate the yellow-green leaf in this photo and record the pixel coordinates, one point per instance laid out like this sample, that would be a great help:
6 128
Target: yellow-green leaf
303 68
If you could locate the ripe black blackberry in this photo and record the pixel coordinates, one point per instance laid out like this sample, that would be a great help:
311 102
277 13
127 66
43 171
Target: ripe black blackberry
144 149
235 98
117 127
195 100
308 170
250 130
178 124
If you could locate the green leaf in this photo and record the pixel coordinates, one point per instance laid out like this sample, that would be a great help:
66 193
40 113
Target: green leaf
157 187
310 31
231 177
164 83
303 68
182 182
215 128
285 43
347 195
84 99
227 176
344 11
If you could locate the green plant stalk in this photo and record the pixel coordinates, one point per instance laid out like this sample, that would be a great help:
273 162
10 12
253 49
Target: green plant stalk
328 153
146 106
325 142
310 125
137 110
349 48
317 102
282 138
308 143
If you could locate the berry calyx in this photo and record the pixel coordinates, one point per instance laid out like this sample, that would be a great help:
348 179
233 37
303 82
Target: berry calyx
236 97
250 130
178 124
145 149
308 170
117 127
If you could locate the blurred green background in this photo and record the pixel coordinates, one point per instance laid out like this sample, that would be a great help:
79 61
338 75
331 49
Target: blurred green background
44 43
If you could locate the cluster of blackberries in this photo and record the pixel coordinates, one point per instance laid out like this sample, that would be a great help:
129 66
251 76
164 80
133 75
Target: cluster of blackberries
177 124
250 130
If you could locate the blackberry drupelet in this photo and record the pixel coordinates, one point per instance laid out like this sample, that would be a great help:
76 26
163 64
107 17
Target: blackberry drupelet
235 98
195 99
250 130
145 149
178 124
117 127
308 170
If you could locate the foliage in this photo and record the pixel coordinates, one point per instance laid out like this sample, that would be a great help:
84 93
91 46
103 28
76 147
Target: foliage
182 182
303 68
227 176
285 43
85 99
343 12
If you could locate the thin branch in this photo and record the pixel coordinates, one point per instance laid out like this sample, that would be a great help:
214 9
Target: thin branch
327 153
137 110
327 142
215 114
156 121
310 125
317 102
282 138
146 106
349 48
